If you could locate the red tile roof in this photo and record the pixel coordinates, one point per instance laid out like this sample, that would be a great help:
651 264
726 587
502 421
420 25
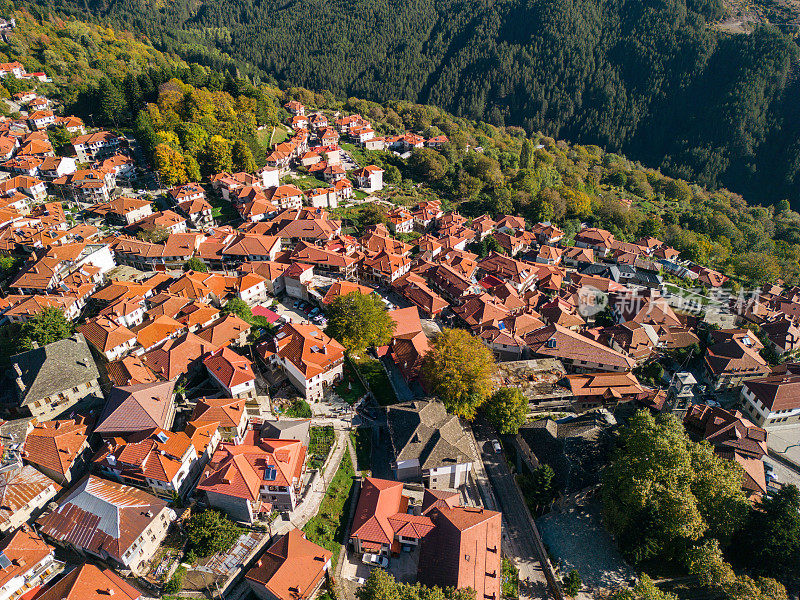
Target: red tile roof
239 470
55 445
292 568
90 582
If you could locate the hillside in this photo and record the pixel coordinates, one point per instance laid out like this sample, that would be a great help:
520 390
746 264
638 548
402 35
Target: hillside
648 78
193 122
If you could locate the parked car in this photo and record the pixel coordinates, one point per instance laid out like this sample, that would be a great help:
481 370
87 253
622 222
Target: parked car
375 559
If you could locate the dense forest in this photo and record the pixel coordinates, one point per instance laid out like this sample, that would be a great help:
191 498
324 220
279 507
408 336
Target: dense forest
194 121
648 77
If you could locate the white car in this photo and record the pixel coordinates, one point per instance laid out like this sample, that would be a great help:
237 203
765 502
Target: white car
375 559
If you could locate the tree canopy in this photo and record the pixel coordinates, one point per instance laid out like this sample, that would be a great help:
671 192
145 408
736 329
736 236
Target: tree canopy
769 542
381 585
195 264
238 307
359 321
45 327
458 368
507 410
665 85
662 492
211 531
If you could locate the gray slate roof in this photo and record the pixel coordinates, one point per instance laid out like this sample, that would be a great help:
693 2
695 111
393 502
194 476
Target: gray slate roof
287 429
55 367
424 431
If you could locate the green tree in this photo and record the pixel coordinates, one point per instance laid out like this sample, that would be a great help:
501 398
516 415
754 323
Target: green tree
769 543
572 583
195 264
380 585
657 498
525 154
458 368
359 321
45 327
211 531
111 102
677 189
372 214
507 410
59 137
217 155
645 589
428 164
242 157
8 265
299 409
238 307
542 490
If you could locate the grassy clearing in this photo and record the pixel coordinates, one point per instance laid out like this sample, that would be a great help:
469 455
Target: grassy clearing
350 389
327 527
271 137
307 182
372 371
222 211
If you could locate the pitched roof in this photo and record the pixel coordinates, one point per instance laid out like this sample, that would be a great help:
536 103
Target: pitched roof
23 548
239 470
735 350
225 331
19 486
463 550
177 355
292 567
230 368
307 348
157 454
559 342
377 500
55 444
137 408
55 367
102 516
90 582
726 430
423 430
342 288
129 371
777 391
225 411
105 334
604 385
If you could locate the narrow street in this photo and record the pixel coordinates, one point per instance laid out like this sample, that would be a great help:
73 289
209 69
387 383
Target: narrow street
520 535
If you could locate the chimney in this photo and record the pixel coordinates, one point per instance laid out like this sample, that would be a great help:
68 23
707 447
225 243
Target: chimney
19 382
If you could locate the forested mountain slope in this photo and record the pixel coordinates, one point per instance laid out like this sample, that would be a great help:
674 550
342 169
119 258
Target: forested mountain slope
645 76
193 121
